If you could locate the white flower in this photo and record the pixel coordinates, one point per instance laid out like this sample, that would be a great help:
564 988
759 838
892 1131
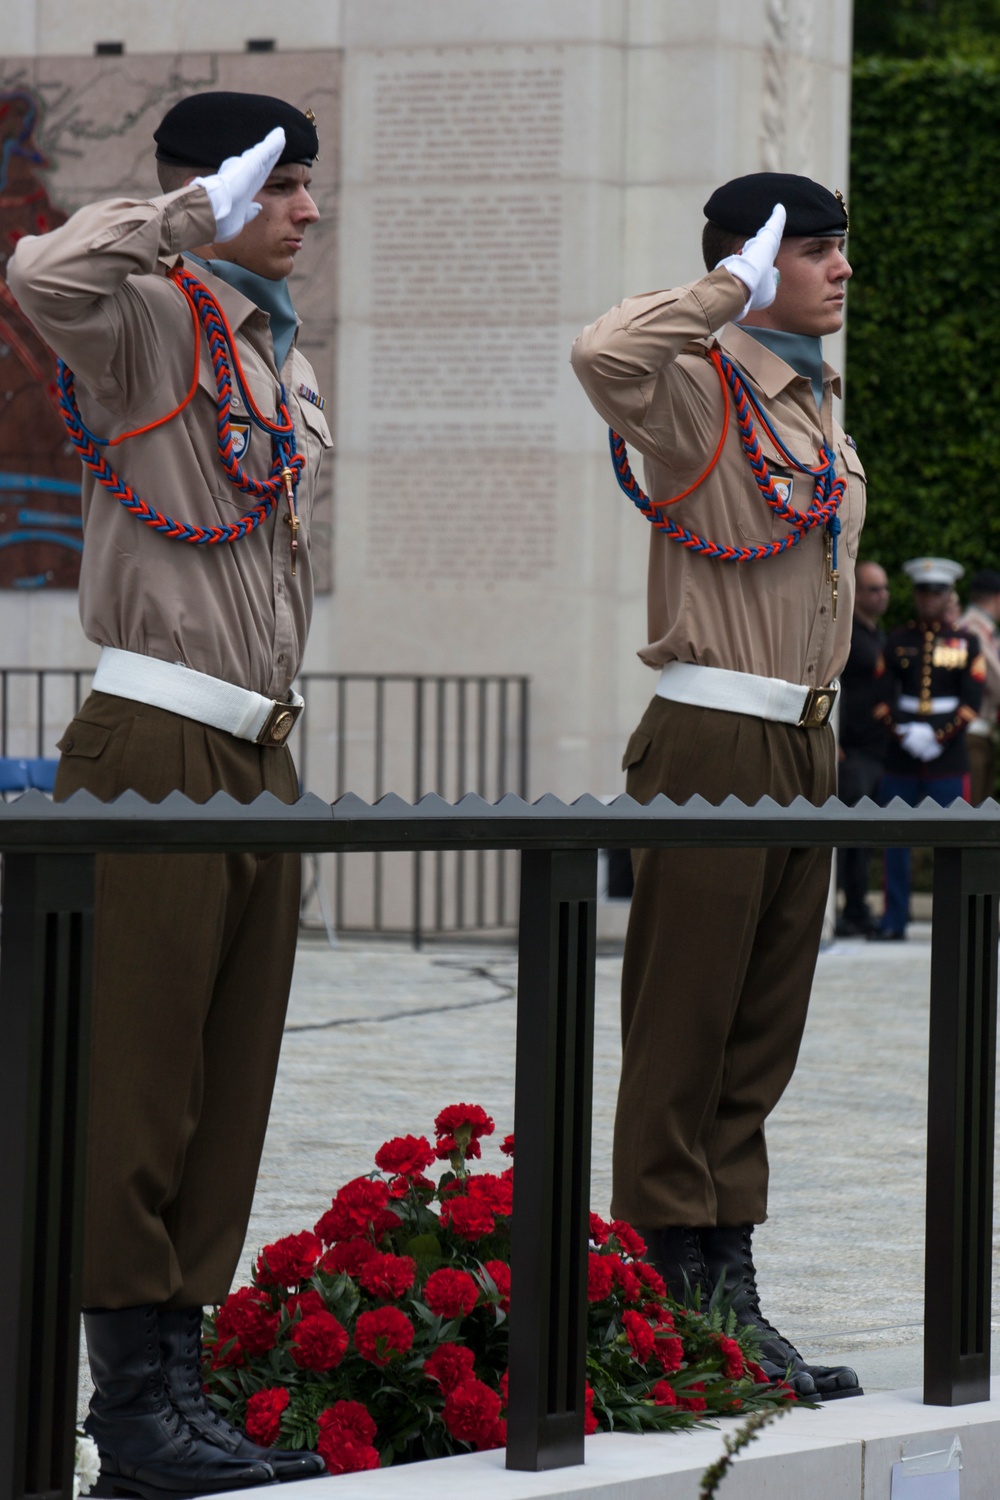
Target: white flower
87 1465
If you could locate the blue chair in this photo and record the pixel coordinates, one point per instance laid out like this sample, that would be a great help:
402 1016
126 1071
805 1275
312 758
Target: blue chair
23 775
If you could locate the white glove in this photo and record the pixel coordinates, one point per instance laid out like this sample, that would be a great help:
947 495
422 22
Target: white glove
231 190
920 741
754 265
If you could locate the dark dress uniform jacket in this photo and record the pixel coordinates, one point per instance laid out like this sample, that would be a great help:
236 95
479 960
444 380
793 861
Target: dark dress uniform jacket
933 675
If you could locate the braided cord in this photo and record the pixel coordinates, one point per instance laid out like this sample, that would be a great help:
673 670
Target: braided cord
828 490
285 460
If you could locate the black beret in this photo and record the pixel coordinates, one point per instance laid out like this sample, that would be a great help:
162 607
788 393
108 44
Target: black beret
204 129
986 581
745 204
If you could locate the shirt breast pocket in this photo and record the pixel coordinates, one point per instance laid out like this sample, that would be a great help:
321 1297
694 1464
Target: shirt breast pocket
854 503
758 521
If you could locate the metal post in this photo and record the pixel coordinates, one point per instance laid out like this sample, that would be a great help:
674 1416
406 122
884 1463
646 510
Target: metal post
45 980
552 1114
960 1113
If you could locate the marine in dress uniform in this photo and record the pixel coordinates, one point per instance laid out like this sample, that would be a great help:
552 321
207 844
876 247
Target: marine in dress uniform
200 646
932 690
747 641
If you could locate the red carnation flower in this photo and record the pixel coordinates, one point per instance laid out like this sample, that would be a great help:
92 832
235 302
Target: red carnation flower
496 1192
499 1272
459 1128
349 1256
450 1365
358 1210
732 1357
447 1146
471 1413
400 1186
599 1278
289 1261
590 1423
381 1334
318 1342
507 1145
246 1315
650 1278
342 1455
630 1241
351 1418
263 1420
664 1393
388 1275
693 1403
599 1231
625 1279
760 1375
669 1352
456 1118
639 1333
304 1303
450 1294
405 1155
467 1218
661 1316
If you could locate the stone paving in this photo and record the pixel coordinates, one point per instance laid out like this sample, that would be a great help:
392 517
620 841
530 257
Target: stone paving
380 1038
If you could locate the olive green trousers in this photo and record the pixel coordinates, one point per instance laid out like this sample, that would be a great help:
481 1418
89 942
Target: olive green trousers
719 960
192 966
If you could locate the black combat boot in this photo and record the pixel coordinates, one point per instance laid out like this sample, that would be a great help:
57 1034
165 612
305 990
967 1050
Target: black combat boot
675 1251
729 1259
181 1353
146 1447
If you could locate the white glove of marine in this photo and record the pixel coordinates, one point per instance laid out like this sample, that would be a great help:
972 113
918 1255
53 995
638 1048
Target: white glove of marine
754 265
920 741
231 190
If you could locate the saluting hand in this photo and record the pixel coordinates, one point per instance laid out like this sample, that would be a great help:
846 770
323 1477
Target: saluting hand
754 265
232 189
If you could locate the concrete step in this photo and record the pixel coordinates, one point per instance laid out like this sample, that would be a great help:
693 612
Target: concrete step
843 1451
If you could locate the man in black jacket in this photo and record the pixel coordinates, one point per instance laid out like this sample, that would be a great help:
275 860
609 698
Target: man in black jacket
863 740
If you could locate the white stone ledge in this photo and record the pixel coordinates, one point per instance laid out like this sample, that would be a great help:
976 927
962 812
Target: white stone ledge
845 1451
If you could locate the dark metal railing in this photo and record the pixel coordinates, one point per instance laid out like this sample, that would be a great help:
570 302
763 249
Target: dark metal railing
365 731
45 942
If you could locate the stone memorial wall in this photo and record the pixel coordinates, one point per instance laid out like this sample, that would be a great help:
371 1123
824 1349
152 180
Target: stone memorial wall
495 176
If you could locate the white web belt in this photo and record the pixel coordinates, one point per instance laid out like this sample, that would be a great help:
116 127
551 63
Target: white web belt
195 695
744 693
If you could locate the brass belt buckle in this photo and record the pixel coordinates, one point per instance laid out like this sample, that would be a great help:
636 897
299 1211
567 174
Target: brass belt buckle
279 724
817 708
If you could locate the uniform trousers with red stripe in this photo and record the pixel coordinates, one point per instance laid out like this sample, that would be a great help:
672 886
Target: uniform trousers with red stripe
718 968
192 968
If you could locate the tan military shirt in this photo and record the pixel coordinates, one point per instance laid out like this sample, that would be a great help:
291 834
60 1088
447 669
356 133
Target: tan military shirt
97 290
644 367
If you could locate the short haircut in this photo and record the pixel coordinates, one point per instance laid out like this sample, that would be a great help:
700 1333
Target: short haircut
717 243
173 176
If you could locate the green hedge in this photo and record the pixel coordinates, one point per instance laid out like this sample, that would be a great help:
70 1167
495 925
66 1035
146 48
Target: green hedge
924 321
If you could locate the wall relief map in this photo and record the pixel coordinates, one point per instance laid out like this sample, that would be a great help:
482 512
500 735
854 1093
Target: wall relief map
73 130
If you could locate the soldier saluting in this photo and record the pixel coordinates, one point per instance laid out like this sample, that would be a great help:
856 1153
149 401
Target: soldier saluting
756 498
932 690
194 413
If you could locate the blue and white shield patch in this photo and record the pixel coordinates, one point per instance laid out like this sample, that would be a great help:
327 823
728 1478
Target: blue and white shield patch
241 439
